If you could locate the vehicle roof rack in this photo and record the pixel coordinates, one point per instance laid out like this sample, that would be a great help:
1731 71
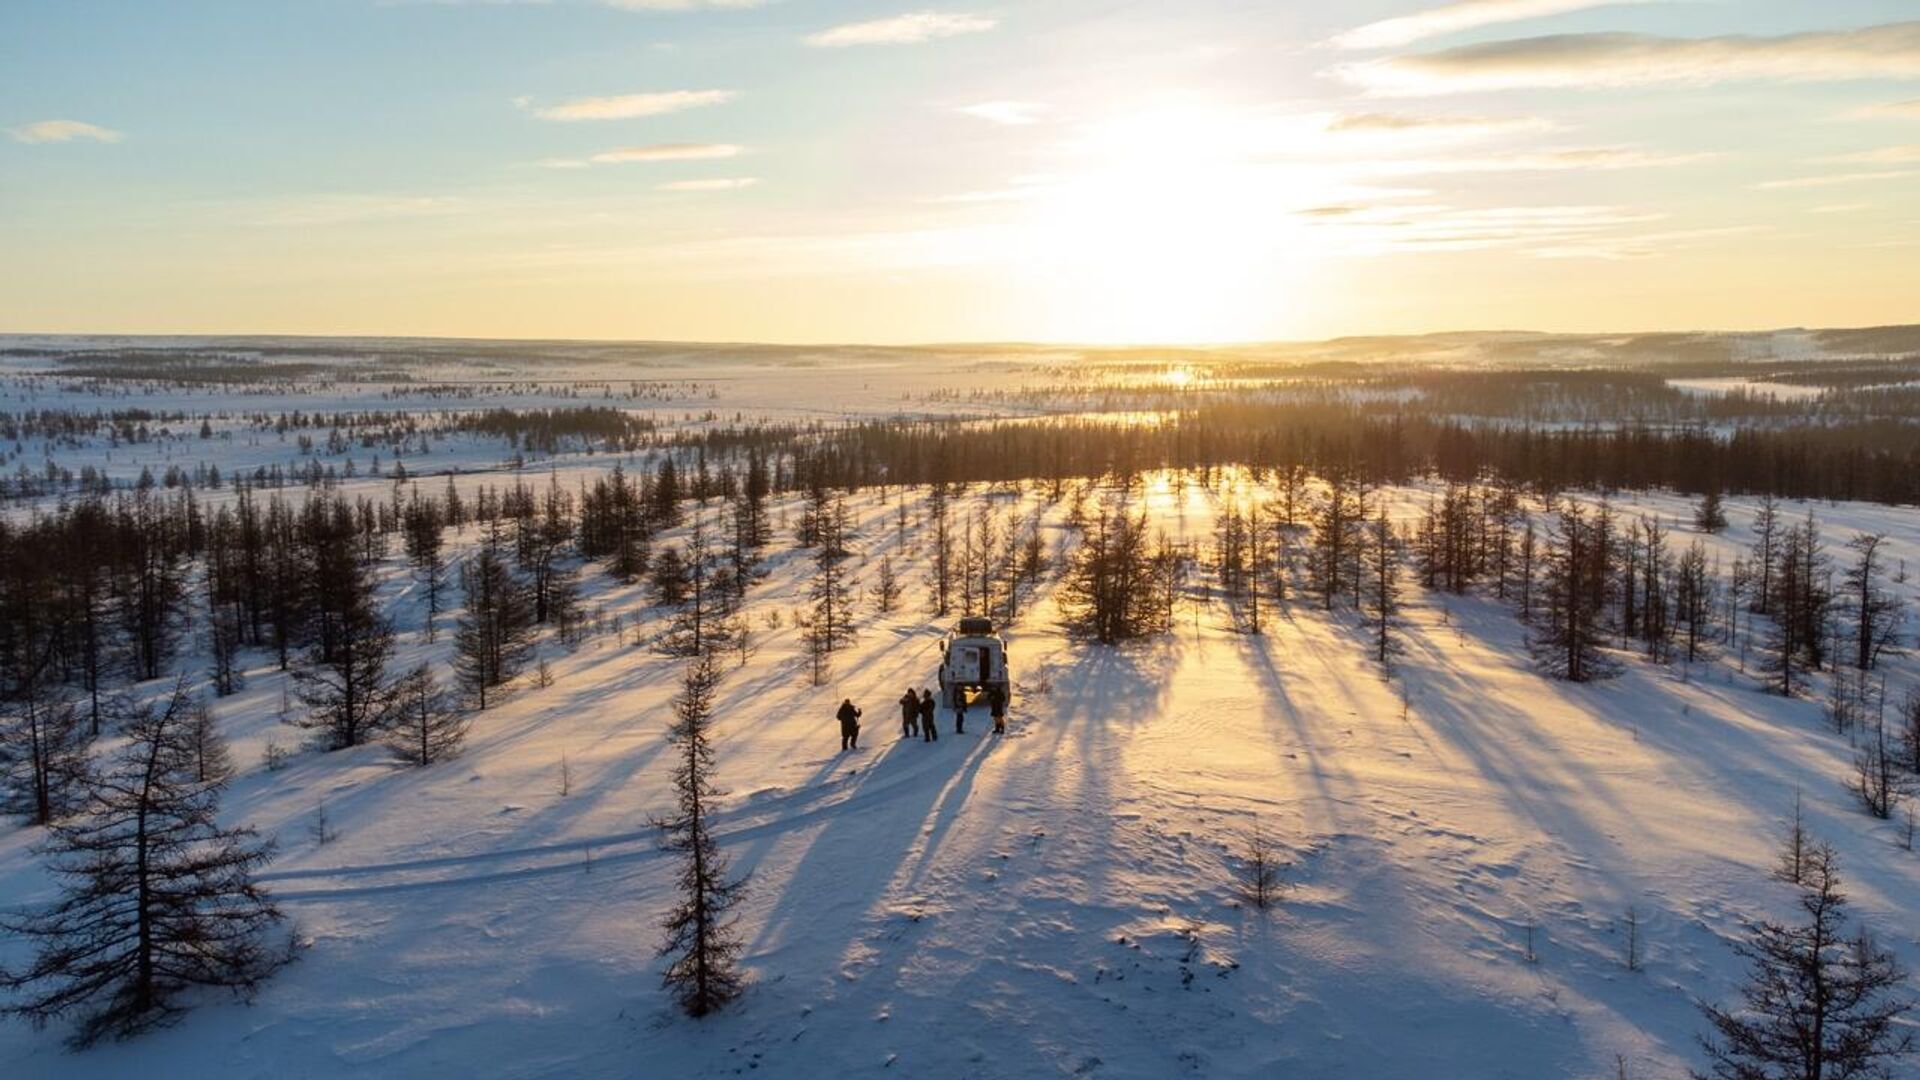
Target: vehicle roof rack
976 624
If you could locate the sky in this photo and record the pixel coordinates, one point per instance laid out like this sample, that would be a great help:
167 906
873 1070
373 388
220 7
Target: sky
882 171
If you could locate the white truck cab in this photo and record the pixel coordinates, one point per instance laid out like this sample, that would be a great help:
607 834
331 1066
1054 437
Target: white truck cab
973 662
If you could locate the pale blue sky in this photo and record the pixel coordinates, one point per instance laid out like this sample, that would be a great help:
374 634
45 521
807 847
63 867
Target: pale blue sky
1051 169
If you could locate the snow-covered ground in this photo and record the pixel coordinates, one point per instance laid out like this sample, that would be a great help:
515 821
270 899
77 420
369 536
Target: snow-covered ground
1058 901
1465 838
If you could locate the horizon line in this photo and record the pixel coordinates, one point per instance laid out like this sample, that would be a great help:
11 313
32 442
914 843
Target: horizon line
1033 344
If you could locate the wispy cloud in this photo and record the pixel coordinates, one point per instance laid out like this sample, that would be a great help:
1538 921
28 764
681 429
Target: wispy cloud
909 29
656 152
1889 51
1379 230
1011 113
727 183
1397 122
1641 245
1831 180
669 152
1454 17
1543 232
1393 130
1582 158
629 106
1897 110
1886 155
52 131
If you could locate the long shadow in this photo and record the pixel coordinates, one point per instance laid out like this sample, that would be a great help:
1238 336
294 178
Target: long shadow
852 858
1588 813
1320 767
947 807
1109 694
851 863
1487 731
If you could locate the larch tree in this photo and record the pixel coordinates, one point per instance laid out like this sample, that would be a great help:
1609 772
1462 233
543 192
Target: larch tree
1338 520
543 543
1232 561
1798 609
1693 597
702 945
667 577
495 634
1710 514
746 535
149 584
940 572
1819 1003
751 528
831 591
156 897
425 526
1767 531
44 748
886 587
1878 779
425 729
1258 570
1117 586
1566 637
345 687
223 640
1876 611
1526 563
212 758
979 560
1383 585
662 508
700 621
1656 587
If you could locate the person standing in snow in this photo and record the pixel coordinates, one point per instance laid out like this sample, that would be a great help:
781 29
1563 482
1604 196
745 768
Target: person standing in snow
997 702
929 732
849 725
909 714
960 712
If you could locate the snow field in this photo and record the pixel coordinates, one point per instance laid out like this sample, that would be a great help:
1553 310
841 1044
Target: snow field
1058 901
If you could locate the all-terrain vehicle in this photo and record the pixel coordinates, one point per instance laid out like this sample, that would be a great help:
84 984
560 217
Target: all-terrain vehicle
973 662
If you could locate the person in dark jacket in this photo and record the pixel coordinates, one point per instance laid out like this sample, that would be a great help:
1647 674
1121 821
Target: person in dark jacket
997 701
960 712
909 714
929 732
849 725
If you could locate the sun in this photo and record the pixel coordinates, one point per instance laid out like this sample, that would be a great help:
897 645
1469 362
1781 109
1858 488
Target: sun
1170 231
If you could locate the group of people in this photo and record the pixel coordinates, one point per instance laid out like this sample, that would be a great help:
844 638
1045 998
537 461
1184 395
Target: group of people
917 719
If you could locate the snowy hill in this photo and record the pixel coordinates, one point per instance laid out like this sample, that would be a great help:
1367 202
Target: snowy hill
1468 842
